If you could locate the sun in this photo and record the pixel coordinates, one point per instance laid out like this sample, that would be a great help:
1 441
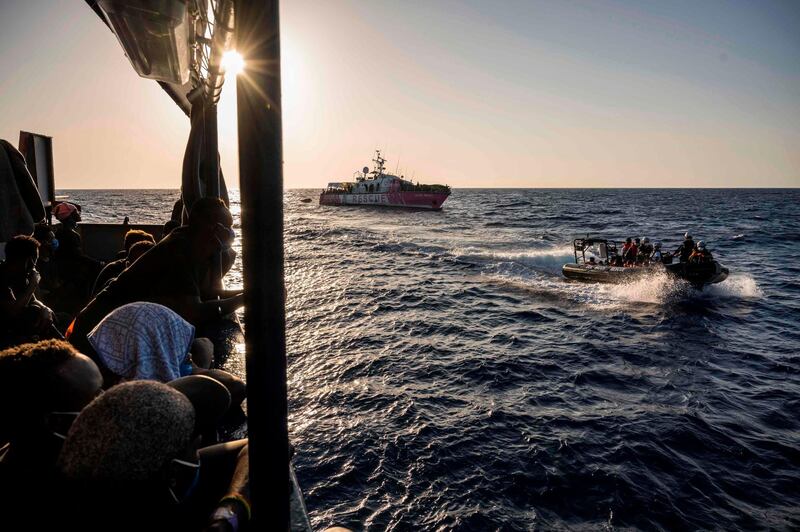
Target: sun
232 62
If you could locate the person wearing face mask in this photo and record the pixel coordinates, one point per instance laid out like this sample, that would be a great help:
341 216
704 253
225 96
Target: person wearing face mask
47 241
48 247
23 318
43 387
134 452
174 273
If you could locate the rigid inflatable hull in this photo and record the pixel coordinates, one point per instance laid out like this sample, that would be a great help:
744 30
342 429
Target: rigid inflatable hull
602 274
698 275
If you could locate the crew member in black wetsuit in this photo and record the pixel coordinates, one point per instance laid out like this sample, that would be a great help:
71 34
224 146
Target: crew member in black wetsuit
645 250
685 249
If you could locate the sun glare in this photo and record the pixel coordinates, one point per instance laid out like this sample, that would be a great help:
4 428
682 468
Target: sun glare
232 62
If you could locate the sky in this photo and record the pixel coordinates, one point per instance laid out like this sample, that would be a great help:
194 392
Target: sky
472 94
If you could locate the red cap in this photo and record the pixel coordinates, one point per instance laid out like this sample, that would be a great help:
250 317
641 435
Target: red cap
64 210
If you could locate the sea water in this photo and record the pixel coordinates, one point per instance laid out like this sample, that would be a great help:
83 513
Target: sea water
444 376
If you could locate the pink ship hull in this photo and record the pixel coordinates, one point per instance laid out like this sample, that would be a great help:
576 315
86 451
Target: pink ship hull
417 200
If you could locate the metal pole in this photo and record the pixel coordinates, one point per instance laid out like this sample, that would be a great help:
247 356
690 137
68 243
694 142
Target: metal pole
261 182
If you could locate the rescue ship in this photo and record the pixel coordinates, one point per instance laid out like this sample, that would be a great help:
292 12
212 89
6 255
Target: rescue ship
377 188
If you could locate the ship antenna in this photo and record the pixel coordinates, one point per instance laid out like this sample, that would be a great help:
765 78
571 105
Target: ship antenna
379 166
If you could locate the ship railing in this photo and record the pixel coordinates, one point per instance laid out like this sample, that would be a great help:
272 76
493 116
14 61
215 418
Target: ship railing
337 190
424 188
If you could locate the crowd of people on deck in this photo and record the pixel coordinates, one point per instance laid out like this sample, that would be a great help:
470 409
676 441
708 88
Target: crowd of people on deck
109 416
640 252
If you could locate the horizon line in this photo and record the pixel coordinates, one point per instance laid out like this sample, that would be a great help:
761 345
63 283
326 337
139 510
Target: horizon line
499 188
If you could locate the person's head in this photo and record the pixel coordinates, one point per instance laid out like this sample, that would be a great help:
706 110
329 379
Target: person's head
137 235
67 213
159 350
701 245
169 226
657 245
628 240
47 240
43 234
137 436
636 240
42 388
212 222
138 249
687 235
646 240
22 253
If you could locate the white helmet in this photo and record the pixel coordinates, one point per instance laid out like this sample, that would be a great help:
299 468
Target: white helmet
646 240
687 234
701 245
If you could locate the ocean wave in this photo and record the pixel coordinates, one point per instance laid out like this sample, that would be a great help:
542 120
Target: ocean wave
657 287
735 286
550 259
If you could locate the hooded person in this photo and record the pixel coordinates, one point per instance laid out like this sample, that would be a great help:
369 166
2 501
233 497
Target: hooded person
20 205
148 341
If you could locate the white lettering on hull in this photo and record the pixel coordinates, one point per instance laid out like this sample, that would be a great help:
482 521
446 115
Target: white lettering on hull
366 199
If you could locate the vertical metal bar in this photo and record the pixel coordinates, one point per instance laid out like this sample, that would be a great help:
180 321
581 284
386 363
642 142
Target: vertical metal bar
261 185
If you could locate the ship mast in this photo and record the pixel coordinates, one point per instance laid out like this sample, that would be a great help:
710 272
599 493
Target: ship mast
379 164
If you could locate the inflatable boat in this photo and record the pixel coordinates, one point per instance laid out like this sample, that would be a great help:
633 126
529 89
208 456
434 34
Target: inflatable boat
604 266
